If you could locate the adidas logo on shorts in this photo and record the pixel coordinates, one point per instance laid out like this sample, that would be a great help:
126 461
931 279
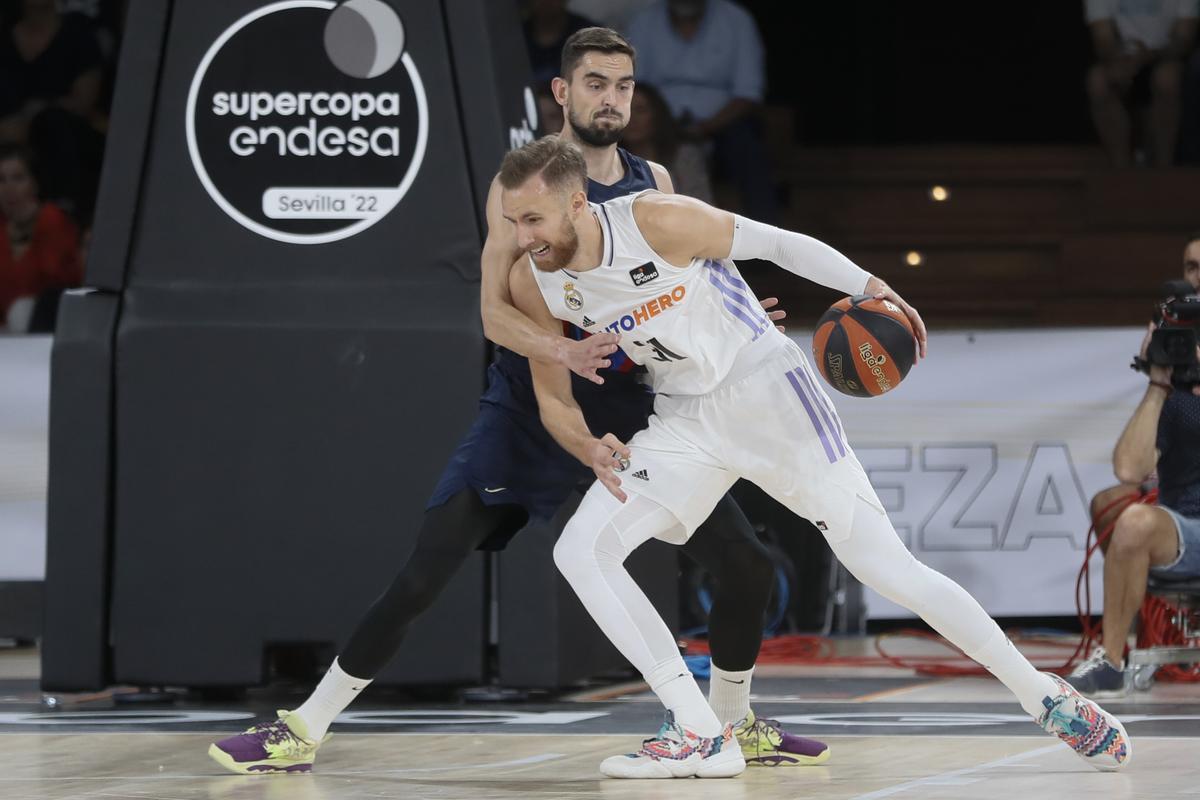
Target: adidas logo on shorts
641 473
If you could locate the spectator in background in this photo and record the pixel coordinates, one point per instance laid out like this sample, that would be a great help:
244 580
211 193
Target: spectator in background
39 244
653 134
547 26
1140 49
615 14
550 113
50 99
707 58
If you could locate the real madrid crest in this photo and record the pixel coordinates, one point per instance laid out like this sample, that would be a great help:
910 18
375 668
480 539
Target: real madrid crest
572 297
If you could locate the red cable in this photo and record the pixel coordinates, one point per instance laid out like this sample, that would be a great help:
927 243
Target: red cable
1083 607
1156 629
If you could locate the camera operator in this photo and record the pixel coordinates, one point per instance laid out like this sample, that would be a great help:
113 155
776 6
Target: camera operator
1161 540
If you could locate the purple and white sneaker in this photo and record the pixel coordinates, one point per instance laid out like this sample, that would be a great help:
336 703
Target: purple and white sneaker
280 746
765 743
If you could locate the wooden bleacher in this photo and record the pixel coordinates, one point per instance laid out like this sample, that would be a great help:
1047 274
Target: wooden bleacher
1033 235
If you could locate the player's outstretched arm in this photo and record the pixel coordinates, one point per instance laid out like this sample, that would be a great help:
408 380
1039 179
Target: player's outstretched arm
505 325
556 403
681 228
662 180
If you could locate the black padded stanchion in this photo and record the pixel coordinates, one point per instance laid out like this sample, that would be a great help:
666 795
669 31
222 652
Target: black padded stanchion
291 233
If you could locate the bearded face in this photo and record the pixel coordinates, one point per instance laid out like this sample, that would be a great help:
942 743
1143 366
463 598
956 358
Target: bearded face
556 246
598 96
600 129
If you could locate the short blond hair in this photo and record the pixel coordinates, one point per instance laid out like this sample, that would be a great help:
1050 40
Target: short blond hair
559 162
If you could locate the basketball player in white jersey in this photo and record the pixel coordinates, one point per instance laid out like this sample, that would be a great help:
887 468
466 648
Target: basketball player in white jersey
735 399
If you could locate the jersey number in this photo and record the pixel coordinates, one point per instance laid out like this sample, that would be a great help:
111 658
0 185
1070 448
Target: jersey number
661 353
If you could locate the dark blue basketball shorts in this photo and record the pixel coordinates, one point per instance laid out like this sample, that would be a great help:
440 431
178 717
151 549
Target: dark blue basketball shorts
507 456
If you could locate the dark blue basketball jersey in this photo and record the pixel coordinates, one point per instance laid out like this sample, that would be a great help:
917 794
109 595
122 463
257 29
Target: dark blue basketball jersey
507 456
637 178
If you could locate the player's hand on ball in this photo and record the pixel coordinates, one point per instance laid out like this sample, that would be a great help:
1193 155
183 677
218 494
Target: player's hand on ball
589 354
610 456
881 291
776 315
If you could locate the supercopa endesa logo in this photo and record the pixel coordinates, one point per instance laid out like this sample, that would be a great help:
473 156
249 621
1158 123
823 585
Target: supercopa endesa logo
307 120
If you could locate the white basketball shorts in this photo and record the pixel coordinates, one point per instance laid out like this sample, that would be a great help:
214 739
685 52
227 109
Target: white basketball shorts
775 427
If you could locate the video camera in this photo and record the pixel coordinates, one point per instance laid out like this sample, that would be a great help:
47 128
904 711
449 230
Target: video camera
1173 342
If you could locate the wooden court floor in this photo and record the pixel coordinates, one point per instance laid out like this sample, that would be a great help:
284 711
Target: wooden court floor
172 766
892 734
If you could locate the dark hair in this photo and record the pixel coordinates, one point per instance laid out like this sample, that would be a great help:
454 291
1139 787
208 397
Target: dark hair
664 129
559 162
1195 237
588 40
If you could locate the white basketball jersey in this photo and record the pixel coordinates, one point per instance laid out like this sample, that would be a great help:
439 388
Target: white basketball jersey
691 327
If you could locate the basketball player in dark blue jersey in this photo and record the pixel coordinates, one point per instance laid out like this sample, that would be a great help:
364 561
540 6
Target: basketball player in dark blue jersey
509 469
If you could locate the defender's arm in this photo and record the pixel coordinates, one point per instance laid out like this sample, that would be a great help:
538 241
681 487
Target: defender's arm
505 325
556 404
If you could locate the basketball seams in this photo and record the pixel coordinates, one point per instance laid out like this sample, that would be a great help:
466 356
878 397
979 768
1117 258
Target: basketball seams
856 332
838 345
820 345
894 335
862 315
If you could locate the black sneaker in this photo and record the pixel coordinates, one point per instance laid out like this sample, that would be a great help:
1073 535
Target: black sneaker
1098 677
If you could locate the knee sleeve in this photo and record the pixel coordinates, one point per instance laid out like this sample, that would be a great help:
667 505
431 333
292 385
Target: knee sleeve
728 549
605 531
590 538
590 555
743 575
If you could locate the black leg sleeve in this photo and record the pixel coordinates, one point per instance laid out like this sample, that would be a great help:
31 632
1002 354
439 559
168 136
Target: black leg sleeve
449 534
727 548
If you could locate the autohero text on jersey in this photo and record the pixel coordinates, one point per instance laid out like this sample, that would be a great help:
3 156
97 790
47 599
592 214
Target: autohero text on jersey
651 308
308 138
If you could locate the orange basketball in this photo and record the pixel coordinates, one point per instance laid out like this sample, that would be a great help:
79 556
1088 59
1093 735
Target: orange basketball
863 346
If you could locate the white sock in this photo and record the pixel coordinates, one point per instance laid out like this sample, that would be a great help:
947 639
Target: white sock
1000 658
677 690
335 691
729 694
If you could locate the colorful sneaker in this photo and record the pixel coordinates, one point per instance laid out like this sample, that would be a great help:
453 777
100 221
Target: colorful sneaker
677 752
1097 736
765 743
1098 677
279 746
